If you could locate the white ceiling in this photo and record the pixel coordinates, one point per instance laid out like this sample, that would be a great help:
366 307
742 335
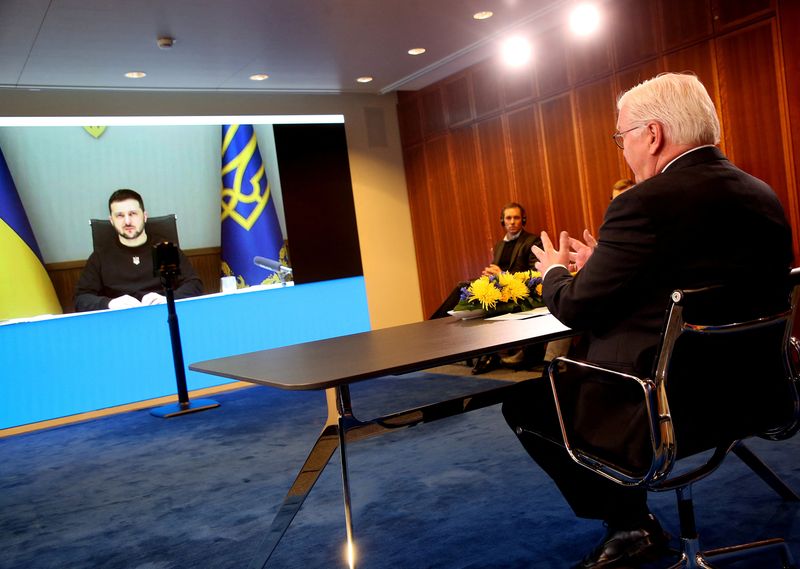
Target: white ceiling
304 45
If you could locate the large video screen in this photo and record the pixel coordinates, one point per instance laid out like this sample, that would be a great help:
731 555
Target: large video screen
64 169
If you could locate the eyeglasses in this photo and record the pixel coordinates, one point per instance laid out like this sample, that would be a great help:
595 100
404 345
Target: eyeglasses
618 136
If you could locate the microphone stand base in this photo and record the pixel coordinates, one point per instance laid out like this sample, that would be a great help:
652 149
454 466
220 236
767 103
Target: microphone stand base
175 409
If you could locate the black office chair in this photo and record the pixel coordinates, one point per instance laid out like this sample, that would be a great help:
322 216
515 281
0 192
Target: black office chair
658 420
450 302
163 226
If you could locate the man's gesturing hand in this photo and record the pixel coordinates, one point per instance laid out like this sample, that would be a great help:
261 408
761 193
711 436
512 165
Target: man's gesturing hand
549 255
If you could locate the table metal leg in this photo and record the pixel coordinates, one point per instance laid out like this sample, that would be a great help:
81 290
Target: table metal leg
342 427
315 463
346 421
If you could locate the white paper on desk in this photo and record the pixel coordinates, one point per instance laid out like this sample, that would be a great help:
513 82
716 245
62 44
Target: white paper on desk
541 311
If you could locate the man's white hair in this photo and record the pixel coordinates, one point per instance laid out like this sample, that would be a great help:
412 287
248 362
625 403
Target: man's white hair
679 102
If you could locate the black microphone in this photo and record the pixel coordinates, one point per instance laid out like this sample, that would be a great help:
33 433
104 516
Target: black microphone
271 265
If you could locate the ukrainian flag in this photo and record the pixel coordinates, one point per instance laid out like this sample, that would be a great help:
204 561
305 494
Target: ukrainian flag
249 220
25 287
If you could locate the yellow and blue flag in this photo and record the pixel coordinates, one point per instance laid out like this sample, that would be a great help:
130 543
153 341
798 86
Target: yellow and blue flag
25 287
250 225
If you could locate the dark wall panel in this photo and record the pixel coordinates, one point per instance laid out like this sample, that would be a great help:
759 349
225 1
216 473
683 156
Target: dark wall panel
684 21
596 110
728 13
426 243
486 89
457 101
448 251
633 25
433 121
562 164
751 104
518 88
469 203
590 58
409 119
530 172
497 184
552 66
318 201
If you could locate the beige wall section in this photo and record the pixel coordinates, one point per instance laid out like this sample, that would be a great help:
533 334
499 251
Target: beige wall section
376 167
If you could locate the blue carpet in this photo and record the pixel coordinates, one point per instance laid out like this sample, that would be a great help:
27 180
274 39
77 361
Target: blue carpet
134 491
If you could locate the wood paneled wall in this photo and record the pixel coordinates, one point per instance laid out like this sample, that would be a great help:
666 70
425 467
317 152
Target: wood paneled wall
65 275
541 136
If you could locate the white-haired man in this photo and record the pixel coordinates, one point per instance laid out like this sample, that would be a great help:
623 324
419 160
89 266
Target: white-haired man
671 230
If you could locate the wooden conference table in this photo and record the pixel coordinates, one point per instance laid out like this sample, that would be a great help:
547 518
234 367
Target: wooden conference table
335 363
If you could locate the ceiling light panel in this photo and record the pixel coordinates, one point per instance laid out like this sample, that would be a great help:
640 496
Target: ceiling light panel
584 20
516 51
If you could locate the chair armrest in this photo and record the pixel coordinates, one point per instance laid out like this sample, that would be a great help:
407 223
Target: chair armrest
615 424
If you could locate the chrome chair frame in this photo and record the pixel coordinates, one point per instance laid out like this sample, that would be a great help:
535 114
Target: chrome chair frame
662 437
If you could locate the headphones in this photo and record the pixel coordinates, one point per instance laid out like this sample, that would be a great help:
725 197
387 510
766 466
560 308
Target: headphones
510 206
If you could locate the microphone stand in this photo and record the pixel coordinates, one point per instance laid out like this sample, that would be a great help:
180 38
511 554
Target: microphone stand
169 273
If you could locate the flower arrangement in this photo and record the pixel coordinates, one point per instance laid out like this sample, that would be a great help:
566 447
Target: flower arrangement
504 292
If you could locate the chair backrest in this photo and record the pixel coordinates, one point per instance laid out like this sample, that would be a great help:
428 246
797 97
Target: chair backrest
164 226
715 381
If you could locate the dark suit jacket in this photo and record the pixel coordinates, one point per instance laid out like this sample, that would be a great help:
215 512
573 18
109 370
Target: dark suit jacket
522 258
680 229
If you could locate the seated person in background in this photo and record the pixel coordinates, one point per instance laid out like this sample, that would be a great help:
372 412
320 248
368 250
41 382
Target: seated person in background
120 274
513 253
620 186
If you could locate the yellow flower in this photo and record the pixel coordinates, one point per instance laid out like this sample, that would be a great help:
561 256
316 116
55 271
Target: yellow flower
527 275
513 289
505 292
485 292
505 280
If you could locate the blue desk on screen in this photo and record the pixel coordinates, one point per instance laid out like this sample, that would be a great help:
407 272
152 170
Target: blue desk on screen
76 363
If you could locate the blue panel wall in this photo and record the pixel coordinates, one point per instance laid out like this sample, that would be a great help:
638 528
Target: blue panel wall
84 362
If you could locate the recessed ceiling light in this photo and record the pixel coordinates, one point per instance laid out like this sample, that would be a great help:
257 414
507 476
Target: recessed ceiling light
259 77
584 19
485 15
416 51
135 74
365 79
165 42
